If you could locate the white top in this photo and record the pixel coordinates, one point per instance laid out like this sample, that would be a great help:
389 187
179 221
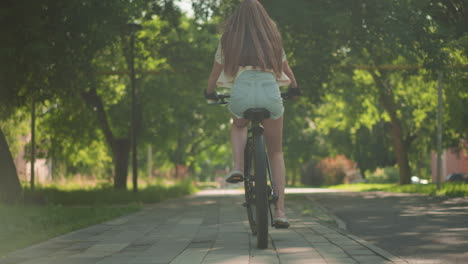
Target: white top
227 81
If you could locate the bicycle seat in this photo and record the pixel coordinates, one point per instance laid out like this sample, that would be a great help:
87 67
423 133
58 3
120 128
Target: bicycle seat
256 114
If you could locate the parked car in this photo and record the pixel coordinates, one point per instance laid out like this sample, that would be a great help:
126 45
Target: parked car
417 180
457 177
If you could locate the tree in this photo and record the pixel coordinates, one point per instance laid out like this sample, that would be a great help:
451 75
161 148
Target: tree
322 35
181 124
10 187
51 46
380 35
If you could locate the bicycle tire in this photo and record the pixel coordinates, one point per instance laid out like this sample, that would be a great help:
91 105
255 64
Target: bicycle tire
261 192
249 187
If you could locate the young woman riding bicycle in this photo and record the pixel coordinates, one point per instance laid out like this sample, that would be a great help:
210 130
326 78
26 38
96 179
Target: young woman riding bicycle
250 60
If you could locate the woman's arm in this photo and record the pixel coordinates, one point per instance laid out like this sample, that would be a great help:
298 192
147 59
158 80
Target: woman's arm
287 70
215 72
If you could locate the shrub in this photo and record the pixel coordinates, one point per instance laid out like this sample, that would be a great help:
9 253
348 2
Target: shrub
311 174
383 175
329 171
336 169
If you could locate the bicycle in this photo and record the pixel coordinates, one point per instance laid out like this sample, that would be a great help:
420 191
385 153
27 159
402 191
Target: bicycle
259 195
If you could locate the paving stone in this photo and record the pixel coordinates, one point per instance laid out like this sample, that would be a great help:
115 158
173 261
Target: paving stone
38 260
226 256
211 229
292 248
119 221
328 255
330 250
85 260
66 252
353 247
380 262
12 260
34 252
114 259
370 259
176 241
341 261
146 260
360 252
100 250
191 255
264 256
80 246
327 246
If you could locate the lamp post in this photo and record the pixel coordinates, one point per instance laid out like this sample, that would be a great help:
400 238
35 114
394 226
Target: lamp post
33 141
132 29
439 131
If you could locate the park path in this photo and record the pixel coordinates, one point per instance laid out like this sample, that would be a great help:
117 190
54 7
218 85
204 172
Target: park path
209 227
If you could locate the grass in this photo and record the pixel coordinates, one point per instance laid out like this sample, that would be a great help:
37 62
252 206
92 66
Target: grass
53 210
24 225
53 194
207 185
447 189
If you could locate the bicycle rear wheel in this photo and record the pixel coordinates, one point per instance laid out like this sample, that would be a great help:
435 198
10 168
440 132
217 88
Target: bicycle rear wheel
249 186
261 191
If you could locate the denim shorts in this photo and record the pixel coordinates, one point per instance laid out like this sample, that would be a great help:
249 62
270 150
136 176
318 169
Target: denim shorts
256 89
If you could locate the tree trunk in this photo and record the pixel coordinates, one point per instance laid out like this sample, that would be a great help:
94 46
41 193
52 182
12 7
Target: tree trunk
33 143
294 176
150 162
10 187
121 153
120 147
401 152
176 171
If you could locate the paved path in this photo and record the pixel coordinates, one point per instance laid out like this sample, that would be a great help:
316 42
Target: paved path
419 228
209 227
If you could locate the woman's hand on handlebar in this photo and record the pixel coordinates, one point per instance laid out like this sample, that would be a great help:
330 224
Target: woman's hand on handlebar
292 93
211 96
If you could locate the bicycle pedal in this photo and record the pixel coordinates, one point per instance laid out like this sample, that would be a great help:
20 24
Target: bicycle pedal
274 198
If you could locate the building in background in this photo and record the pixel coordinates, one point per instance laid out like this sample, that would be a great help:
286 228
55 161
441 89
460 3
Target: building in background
42 167
453 161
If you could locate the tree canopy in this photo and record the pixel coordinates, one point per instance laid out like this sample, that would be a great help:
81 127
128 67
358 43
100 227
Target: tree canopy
368 70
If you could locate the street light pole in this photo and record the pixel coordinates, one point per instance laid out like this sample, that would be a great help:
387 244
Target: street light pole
33 142
439 131
133 28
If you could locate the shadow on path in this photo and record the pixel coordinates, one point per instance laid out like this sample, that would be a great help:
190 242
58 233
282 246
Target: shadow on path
416 227
210 227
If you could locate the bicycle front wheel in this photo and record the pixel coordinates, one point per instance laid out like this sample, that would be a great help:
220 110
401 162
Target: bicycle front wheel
261 192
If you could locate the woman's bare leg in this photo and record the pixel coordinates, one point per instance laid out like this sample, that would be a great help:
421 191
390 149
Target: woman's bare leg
273 137
238 141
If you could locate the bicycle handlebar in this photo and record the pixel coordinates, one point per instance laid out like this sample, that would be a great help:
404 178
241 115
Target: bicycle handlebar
222 98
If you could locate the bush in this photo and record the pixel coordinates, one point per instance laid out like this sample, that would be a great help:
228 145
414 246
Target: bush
328 171
385 175
311 174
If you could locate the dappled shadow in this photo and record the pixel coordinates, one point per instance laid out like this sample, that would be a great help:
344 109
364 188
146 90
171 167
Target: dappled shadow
209 227
407 225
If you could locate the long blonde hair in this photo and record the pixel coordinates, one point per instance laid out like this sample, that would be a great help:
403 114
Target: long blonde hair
251 38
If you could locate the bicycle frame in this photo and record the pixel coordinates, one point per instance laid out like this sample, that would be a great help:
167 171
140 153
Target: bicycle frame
258 194
256 129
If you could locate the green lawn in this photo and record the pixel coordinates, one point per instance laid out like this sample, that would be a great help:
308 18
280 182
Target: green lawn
447 189
54 210
24 225
64 195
